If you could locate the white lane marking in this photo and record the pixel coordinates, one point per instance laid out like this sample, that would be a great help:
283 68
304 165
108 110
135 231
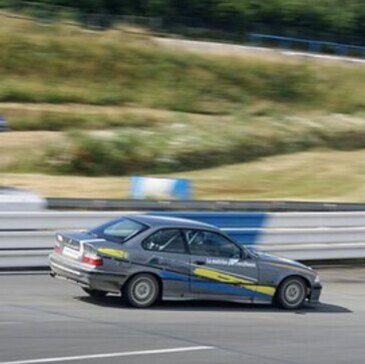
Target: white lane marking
109 355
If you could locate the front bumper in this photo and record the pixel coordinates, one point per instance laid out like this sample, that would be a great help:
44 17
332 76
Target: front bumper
315 293
86 277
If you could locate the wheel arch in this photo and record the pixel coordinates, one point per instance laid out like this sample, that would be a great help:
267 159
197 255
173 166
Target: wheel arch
294 275
155 275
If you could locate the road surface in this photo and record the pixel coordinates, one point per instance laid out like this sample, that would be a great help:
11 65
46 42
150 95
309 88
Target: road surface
45 320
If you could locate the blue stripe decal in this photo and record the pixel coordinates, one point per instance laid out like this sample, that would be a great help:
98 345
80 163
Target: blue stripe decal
221 287
174 276
239 291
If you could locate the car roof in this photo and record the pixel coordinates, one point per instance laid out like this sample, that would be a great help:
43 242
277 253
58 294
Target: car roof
170 221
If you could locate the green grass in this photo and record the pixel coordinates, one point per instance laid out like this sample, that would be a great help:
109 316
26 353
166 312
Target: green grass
316 175
64 64
120 104
62 117
180 146
187 146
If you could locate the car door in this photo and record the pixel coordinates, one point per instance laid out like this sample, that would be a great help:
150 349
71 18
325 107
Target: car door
219 267
167 252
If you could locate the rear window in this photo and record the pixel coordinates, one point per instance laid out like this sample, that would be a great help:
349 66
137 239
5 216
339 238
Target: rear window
119 231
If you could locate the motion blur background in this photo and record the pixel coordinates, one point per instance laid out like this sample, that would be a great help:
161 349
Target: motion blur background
241 100
93 92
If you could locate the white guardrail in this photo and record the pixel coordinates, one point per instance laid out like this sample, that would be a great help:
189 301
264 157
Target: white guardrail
26 238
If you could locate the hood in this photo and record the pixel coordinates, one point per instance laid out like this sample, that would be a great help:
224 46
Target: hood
266 257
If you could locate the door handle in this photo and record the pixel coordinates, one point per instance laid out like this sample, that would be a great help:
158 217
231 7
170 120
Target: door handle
200 262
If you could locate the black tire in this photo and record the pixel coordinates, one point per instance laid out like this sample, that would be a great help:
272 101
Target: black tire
141 291
291 293
95 293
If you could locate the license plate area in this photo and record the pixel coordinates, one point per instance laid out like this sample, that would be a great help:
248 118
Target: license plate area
71 253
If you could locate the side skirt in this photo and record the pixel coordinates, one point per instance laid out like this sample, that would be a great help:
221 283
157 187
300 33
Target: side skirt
202 297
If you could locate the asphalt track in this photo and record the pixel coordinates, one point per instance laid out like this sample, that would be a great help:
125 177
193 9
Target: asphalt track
44 320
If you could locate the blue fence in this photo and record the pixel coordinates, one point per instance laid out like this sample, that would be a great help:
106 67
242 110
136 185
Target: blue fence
313 46
221 219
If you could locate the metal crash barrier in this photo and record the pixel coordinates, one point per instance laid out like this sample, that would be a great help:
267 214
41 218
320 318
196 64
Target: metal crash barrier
26 238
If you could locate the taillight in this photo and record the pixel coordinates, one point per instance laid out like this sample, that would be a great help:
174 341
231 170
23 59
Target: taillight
57 248
94 260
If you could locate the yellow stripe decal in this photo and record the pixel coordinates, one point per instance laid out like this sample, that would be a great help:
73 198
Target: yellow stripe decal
219 276
226 278
270 291
116 253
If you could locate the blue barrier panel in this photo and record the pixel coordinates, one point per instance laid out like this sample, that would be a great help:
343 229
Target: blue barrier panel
222 219
168 188
3 124
229 221
246 237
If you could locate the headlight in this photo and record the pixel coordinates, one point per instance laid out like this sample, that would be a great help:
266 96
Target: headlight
317 279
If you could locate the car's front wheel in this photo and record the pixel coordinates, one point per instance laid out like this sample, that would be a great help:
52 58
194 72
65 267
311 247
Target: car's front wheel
141 291
291 293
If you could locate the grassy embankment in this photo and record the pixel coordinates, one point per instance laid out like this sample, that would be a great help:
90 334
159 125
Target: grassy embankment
115 103
314 175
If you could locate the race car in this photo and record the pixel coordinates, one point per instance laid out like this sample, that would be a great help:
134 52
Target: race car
146 258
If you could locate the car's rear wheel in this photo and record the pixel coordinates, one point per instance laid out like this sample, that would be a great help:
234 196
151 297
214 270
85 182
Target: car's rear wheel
291 293
95 293
141 291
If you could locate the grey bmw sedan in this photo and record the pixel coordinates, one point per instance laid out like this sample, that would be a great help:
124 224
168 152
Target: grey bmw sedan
146 258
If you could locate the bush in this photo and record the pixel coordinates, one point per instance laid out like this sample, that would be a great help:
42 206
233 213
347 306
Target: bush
185 147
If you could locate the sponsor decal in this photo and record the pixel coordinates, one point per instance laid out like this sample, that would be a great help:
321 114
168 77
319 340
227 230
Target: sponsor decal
230 262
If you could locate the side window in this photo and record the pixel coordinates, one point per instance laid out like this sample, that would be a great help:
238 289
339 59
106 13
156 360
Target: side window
166 240
211 244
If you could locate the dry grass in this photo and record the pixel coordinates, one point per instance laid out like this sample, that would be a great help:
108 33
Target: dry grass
316 175
21 151
58 117
185 143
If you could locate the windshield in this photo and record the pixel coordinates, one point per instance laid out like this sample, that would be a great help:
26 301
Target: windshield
119 231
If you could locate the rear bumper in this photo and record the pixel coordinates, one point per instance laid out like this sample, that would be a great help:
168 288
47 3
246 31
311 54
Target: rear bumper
91 278
315 293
